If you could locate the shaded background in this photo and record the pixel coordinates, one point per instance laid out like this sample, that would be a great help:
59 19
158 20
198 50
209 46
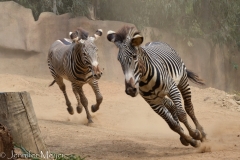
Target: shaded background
25 40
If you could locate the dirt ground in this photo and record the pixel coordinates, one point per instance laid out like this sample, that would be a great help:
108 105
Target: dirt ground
126 128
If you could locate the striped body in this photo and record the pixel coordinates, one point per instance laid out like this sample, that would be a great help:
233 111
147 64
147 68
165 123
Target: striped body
76 61
160 76
67 65
164 67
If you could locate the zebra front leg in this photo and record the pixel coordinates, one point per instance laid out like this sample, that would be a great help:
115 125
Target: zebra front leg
174 125
84 102
186 94
94 84
172 109
174 95
62 86
75 89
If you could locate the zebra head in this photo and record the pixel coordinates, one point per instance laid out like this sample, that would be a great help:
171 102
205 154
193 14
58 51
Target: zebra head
128 40
89 48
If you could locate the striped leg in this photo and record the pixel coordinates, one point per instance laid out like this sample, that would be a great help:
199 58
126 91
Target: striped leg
94 84
62 86
174 95
186 94
174 125
84 102
59 81
76 88
172 109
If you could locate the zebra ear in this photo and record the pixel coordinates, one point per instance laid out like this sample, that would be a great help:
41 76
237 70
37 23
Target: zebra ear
73 36
137 40
98 34
111 36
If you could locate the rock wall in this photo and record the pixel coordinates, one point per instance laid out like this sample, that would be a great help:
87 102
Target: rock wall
24 45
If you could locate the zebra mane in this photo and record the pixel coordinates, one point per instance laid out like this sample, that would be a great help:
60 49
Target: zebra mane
83 34
125 31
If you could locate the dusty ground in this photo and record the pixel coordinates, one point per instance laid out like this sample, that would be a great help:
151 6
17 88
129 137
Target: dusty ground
126 128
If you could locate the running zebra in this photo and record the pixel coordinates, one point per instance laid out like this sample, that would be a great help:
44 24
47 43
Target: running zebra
76 60
160 76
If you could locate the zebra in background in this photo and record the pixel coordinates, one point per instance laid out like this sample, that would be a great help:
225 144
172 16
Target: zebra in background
159 75
76 60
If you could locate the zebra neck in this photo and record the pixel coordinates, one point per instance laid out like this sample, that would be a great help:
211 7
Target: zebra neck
143 62
148 76
79 63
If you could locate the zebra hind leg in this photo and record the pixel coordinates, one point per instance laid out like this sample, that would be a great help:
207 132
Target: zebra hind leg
174 125
94 84
174 95
186 94
63 89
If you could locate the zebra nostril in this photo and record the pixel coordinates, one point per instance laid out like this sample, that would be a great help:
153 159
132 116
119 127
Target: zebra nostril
134 89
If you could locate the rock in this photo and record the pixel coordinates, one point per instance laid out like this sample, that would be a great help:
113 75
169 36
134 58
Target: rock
22 38
237 97
238 102
205 99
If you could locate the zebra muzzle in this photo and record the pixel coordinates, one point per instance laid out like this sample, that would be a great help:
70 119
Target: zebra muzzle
130 88
97 72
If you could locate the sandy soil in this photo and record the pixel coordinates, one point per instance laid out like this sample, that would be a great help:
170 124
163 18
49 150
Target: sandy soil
126 128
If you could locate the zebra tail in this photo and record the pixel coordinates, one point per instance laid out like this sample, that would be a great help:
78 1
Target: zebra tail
194 78
52 83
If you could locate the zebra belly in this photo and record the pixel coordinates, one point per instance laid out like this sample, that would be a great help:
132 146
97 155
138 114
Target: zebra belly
177 78
65 77
154 98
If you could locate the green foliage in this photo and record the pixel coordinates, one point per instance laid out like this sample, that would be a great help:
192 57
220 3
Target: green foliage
215 20
235 66
77 7
80 8
68 157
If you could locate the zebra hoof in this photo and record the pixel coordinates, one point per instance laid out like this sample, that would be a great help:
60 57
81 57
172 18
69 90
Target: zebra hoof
70 111
197 135
79 110
203 137
195 143
90 121
94 108
183 141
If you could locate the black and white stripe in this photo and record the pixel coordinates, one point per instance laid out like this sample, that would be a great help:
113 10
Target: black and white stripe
76 62
160 76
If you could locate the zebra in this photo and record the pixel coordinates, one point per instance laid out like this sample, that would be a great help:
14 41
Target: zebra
76 60
75 36
159 75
